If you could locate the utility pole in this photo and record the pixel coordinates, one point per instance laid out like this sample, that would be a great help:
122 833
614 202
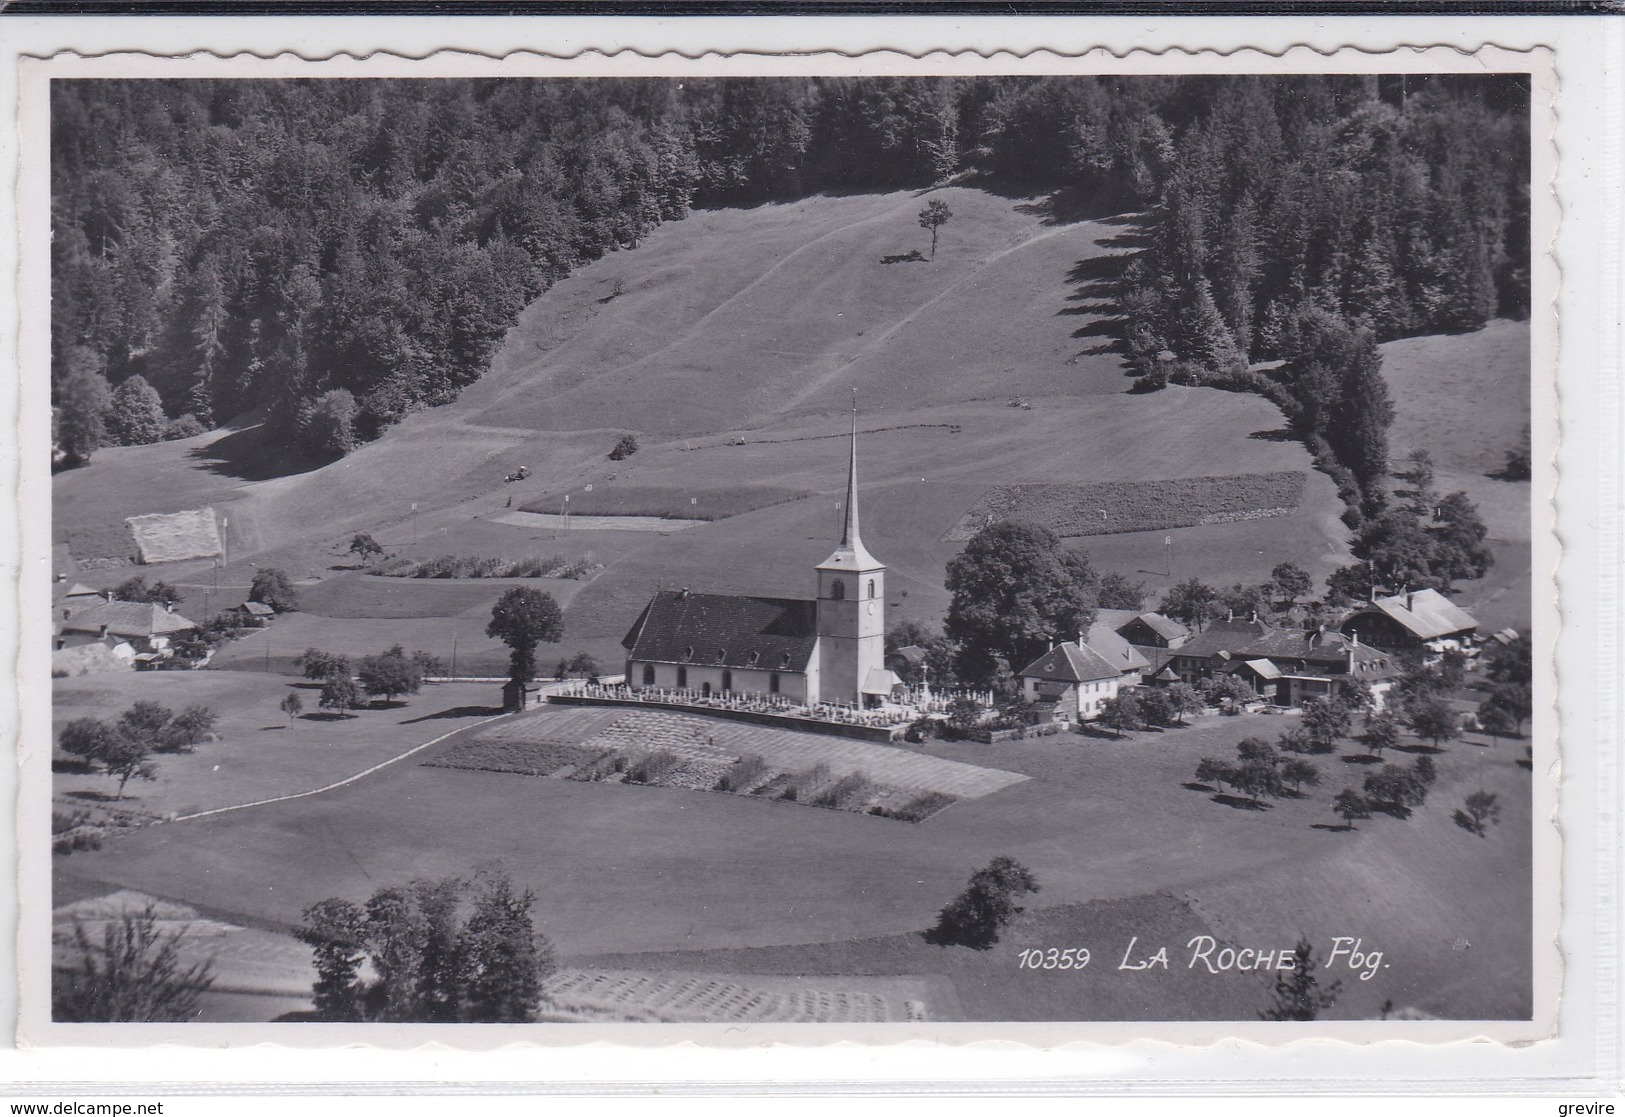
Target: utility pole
414 523
1168 555
268 651
453 655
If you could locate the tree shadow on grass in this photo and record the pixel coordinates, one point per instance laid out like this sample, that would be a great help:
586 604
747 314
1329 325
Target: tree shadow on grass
271 728
1192 785
250 454
91 796
1279 434
456 712
1242 804
1425 750
1361 758
1392 810
1464 820
326 715
911 257
1338 827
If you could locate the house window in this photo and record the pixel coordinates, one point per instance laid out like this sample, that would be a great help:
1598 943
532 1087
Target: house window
773 683
727 681
682 676
871 587
648 674
837 590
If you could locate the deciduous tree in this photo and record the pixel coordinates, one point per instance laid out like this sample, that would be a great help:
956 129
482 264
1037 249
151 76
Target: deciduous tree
976 916
521 619
932 218
273 587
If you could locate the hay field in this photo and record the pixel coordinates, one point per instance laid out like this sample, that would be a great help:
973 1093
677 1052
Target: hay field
173 536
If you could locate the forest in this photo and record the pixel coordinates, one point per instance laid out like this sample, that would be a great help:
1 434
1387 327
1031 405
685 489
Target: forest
331 256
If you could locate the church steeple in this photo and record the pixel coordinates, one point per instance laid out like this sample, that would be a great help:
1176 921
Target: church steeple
851 553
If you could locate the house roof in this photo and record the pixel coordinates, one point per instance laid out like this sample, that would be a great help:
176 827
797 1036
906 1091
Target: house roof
1223 636
1166 627
1072 663
127 618
79 589
1426 614
1263 668
1115 618
258 608
1114 649
725 630
880 681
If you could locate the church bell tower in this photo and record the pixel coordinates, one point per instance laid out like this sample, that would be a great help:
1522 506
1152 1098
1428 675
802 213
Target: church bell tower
851 609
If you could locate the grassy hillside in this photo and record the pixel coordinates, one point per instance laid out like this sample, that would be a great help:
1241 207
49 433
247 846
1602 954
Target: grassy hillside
731 350
1465 399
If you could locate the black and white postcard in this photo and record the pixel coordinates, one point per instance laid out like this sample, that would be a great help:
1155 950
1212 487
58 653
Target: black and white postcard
837 547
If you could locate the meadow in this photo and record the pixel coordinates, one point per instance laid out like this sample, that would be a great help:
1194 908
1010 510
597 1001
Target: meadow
1098 821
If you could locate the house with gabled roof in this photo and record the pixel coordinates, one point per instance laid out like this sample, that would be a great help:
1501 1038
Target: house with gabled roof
145 627
1074 680
830 649
1417 619
1110 645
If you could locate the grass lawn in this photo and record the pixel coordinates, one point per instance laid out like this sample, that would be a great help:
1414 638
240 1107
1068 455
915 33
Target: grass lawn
260 754
635 870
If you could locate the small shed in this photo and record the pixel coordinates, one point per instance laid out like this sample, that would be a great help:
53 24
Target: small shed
518 696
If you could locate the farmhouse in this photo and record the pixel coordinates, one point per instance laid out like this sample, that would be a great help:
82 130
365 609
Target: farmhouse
1424 619
1143 629
1285 665
144 629
254 614
1114 649
1074 678
827 650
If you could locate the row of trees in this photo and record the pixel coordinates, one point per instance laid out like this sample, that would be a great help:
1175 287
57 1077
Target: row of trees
338 254
388 675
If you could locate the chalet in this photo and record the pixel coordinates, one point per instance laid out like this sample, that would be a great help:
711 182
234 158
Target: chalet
1419 619
146 629
1074 679
254 614
1193 660
1153 630
830 649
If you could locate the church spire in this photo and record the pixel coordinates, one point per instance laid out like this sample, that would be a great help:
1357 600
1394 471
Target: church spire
849 530
851 554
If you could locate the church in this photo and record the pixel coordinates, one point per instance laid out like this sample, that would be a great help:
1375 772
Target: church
827 650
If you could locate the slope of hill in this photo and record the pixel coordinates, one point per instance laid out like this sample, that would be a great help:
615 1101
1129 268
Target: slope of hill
729 343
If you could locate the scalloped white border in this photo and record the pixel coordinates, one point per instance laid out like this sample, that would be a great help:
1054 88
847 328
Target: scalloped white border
1239 1042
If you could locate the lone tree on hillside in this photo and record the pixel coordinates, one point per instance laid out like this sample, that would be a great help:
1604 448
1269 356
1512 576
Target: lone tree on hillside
933 217
975 917
274 588
624 448
1480 807
521 619
133 974
1381 732
127 758
137 414
365 547
1298 995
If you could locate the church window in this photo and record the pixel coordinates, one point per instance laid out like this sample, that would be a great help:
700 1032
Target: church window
773 682
705 689
682 676
722 655
871 587
727 681
837 590
648 674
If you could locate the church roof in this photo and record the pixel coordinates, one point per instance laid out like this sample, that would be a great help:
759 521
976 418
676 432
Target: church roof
1071 663
725 630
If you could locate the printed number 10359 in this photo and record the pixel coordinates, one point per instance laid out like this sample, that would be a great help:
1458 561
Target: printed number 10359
1072 958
